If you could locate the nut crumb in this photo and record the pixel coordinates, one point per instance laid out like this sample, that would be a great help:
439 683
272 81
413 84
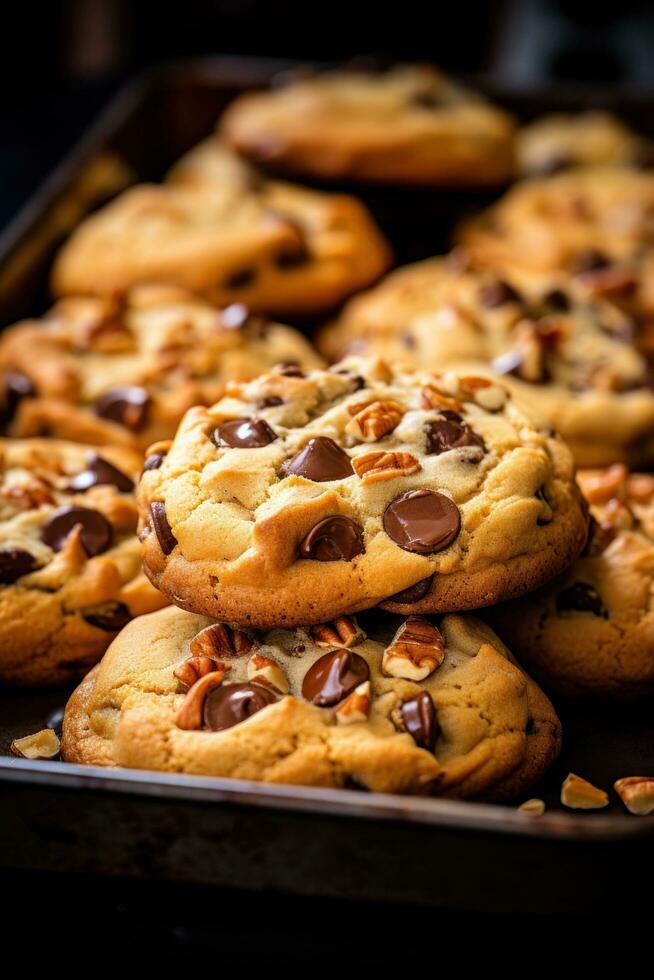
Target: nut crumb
535 807
579 794
41 745
637 794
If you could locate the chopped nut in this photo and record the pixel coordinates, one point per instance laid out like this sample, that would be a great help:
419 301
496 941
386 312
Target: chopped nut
28 497
493 398
579 794
355 707
600 486
194 668
373 420
617 516
384 466
640 487
535 807
431 397
189 716
486 393
342 632
41 745
637 794
415 651
266 671
220 640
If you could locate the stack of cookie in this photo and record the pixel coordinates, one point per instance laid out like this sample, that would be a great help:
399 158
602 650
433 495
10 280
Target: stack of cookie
320 537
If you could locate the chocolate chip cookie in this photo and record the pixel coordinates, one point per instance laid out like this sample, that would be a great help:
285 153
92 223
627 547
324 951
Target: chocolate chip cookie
592 631
232 238
562 141
70 569
407 125
568 356
123 372
304 496
440 709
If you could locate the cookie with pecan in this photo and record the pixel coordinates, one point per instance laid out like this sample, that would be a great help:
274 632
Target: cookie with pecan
438 708
223 231
591 632
122 372
70 568
303 496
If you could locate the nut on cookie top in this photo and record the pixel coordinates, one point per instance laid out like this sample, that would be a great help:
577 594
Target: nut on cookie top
123 370
301 496
320 705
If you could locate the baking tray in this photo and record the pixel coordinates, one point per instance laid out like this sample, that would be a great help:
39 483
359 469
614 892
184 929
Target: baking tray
328 843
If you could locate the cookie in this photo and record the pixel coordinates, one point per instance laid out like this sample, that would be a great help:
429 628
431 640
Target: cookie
300 497
562 141
408 125
442 709
70 568
123 372
566 356
592 631
234 238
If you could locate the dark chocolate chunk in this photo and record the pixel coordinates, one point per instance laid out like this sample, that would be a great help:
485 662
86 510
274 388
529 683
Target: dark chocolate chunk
333 677
240 279
581 597
244 434
14 563
100 471
556 300
320 460
126 404
111 618
153 461
165 537
292 256
289 369
419 716
333 539
449 431
97 532
229 704
497 293
414 593
270 401
422 521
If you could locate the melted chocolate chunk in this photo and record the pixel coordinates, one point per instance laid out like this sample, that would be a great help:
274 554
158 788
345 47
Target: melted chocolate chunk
449 431
589 261
153 461
414 593
230 704
165 537
497 293
419 716
17 387
422 521
114 616
127 405
240 279
100 471
270 401
244 434
333 677
320 460
14 563
581 597
333 539
97 532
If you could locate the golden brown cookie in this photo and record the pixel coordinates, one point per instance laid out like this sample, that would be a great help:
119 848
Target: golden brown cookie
70 568
442 709
123 372
408 125
233 238
592 631
566 356
300 497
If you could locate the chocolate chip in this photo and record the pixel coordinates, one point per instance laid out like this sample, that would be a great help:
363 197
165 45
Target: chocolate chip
333 677
357 381
581 597
111 618
419 716
320 460
540 495
422 521
333 539
450 432
100 471
153 461
270 401
556 300
414 593
127 405
589 261
230 704
97 532
289 369
244 434
17 387
165 537
14 563
240 279
498 293
292 256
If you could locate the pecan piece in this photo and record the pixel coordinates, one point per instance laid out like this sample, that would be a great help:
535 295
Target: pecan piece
600 486
356 706
220 640
193 668
579 794
416 650
263 670
343 632
374 420
41 745
190 715
431 397
637 794
384 466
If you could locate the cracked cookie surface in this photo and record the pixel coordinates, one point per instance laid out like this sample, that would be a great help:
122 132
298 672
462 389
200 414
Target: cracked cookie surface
591 632
70 568
123 372
179 692
567 356
409 125
300 497
221 230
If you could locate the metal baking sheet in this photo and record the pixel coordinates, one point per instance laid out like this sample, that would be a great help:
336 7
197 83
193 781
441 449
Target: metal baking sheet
303 841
